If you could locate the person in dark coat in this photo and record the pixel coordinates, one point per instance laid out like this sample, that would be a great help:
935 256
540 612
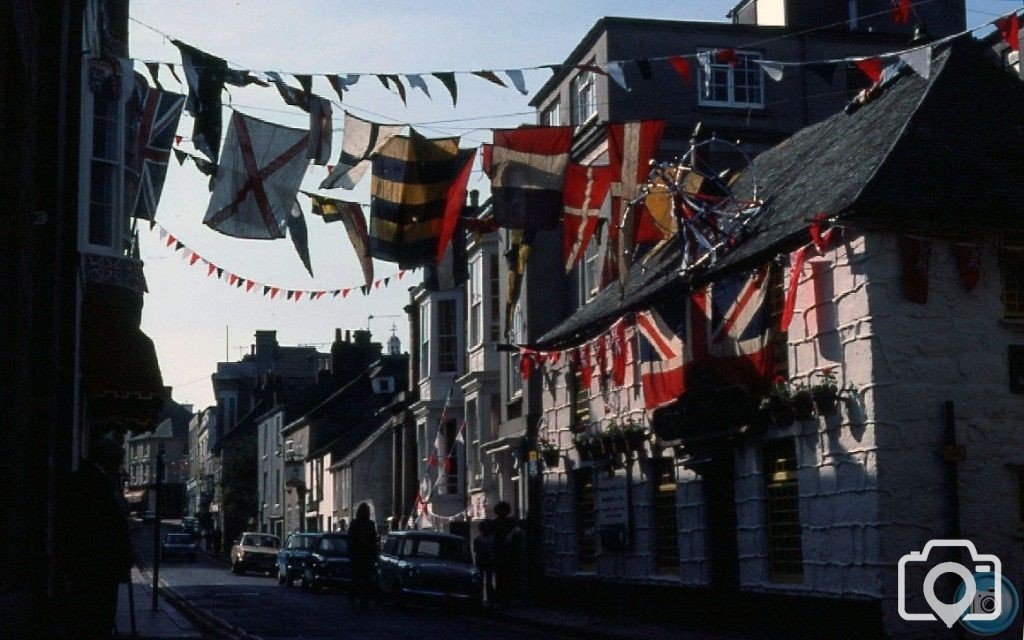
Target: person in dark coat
483 556
506 553
363 548
94 544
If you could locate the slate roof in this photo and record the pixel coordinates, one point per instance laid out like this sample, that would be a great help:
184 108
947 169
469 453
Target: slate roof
937 154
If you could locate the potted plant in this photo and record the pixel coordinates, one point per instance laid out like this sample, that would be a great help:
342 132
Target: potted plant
588 445
613 439
802 403
825 393
636 435
778 403
549 453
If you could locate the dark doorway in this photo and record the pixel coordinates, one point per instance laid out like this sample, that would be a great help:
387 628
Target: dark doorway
719 475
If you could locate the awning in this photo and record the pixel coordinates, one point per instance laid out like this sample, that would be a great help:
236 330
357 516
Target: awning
138 495
121 377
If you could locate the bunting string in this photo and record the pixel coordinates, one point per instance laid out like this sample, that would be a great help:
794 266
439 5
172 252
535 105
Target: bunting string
272 291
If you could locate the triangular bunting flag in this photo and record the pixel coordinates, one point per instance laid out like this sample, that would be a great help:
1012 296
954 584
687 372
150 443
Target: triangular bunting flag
726 56
178 246
376 284
232 279
900 12
163 233
1009 28
298 294
416 81
249 285
340 84
387 281
154 72
387 78
170 240
290 294
274 291
682 67
240 282
871 67
220 273
447 78
345 292
266 290
615 72
401 274
772 69
920 60
299 235
489 76
518 81
194 258
643 65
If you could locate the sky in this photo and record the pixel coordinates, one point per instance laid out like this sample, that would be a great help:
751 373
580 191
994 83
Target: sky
195 320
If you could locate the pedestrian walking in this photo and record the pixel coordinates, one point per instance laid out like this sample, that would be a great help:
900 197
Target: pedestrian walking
483 556
506 553
363 547
94 542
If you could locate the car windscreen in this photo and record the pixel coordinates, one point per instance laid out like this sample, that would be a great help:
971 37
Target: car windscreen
302 542
445 549
178 538
259 541
333 546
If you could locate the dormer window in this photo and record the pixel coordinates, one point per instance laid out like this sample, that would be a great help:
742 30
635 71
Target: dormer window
584 97
736 83
384 385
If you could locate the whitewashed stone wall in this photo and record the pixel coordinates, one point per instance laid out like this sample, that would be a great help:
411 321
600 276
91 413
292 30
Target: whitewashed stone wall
837 456
952 348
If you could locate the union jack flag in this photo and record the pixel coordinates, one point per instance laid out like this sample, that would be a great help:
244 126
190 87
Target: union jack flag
717 335
147 154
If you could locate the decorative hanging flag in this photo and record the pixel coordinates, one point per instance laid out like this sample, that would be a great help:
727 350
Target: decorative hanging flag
455 201
1009 28
518 81
615 72
601 355
968 263
351 214
517 257
631 146
526 363
387 78
460 437
489 76
205 75
773 70
586 365
299 235
447 78
360 140
704 59
681 66
341 84
585 191
661 331
796 268
915 254
453 269
871 67
291 96
154 73
527 171
643 65
824 70
321 130
147 152
900 12
920 60
412 177
258 179
726 56
416 81
620 352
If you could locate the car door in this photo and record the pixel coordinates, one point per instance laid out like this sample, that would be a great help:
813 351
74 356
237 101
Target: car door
387 563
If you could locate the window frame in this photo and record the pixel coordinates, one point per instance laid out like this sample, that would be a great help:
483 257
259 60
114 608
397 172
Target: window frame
747 57
583 97
551 116
493 313
515 380
425 369
447 343
475 293
782 511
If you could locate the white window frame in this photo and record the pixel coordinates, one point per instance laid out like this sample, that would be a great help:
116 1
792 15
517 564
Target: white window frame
492 311
476 301
551 116
425 340
120 224
590 273
745 63
583 97
515 380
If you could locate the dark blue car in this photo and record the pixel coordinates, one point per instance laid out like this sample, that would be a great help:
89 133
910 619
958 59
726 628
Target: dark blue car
329 564
294 555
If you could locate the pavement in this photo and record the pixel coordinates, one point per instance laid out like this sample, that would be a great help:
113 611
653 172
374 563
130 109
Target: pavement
166 622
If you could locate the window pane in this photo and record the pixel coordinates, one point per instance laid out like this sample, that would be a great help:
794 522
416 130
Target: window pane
447 341
495 299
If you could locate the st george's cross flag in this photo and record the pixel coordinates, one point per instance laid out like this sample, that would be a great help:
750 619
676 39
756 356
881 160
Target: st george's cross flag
584 193
360 140
261 167
527 170
719 334
412 181
154 123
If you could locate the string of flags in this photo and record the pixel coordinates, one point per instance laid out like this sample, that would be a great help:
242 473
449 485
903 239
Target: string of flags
270 291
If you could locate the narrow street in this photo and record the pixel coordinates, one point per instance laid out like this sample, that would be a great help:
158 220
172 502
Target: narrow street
256 604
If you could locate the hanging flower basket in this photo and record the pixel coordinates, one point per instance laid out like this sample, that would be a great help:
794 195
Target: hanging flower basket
551 457
825 393
588 446
802 404
636 436
778 404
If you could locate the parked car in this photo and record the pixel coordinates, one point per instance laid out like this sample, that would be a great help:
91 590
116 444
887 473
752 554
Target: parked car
329 563
149 516
294 556
428 565
255 551
190 525
178 546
